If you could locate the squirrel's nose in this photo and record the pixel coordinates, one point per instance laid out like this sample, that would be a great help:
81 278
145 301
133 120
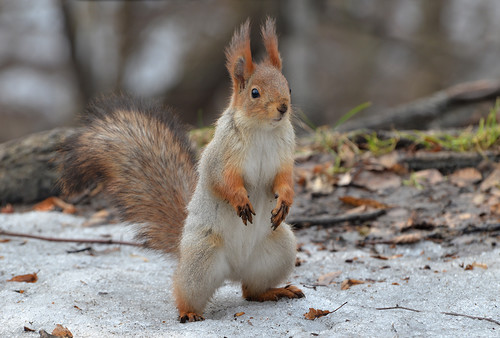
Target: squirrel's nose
282 108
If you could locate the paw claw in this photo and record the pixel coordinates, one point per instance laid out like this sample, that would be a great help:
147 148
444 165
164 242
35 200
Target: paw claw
278 214
190 317
245 212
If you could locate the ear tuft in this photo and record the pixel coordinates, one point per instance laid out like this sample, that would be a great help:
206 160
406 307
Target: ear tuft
271 42
239 56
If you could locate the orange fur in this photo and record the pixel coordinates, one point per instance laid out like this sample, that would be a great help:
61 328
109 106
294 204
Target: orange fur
271 43
283 188
239 57
273 294
186 312
232 189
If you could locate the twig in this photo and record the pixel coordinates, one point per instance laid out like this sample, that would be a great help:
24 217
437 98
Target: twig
67 240
487 228
397 307
338 307
331 220
471 317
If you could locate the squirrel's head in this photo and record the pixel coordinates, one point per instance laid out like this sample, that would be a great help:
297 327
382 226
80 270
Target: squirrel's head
260 90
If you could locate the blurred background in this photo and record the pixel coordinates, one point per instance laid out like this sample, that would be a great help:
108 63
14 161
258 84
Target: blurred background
56 55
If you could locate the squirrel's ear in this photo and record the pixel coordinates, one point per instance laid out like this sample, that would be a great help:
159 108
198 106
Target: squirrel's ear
239 57
271 43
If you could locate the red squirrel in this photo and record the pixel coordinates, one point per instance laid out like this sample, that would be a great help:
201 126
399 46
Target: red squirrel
223 218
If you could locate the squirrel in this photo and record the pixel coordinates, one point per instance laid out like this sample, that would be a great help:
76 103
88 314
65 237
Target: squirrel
223 218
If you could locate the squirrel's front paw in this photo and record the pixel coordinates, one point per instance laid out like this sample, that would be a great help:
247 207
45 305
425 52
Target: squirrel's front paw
279 213
245 211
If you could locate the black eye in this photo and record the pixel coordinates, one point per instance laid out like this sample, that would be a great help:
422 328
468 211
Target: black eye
290 91
255 93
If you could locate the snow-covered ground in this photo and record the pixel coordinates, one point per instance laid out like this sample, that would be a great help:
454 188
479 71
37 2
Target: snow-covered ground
124 291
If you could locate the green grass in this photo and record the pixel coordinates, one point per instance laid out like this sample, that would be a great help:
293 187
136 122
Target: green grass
483 137
480 138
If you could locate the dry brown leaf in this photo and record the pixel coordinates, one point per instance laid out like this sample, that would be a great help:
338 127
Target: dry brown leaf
51 203
495 209
480 265
28 278
61 331
328 278
384 258
407 238
347 283
299 261
464 177
491 181
27 329
7 209
239 314
430 176
100 217
378 181
314 313
354 201
4 240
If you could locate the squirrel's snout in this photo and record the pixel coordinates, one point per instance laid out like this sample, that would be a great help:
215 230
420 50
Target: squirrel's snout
282 108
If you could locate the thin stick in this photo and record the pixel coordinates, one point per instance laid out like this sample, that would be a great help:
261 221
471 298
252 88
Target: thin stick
338 307
397 307
471 317
332 220
67 240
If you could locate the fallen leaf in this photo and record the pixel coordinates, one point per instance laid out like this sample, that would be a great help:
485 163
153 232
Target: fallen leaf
495 209
491 181
51 203
314 313
27 329
320 185
378 181
4 240
480 265
464 177
299 261
61 331
7 209
389 160
144 259
347 283
354 201
100 217
29 278
407 238
328 278
395 283
239 314
344 179
430 176
384 258
479 199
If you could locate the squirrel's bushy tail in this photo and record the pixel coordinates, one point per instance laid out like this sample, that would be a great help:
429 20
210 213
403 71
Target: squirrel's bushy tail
141 153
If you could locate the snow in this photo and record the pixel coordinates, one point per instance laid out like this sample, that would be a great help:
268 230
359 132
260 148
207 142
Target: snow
124 291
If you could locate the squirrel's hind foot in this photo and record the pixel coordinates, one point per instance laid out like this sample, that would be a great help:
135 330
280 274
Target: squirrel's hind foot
289 291
190 317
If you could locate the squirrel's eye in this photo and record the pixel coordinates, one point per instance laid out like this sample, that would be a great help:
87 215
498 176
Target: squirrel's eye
255 93
290 91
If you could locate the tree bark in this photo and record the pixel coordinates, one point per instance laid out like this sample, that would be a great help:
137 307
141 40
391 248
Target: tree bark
28 166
